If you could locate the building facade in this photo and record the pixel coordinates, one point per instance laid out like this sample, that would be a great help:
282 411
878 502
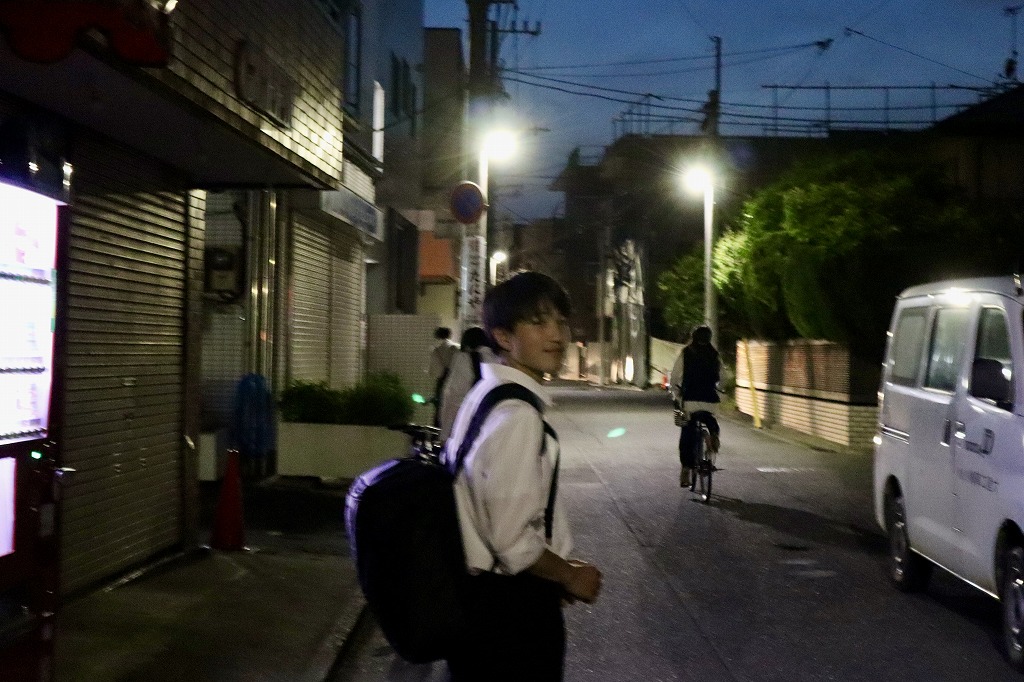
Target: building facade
225 97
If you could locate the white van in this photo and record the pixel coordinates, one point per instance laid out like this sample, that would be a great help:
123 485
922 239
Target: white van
949 452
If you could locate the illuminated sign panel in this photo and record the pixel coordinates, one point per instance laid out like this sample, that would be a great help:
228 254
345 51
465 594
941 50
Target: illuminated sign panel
8 468
28 231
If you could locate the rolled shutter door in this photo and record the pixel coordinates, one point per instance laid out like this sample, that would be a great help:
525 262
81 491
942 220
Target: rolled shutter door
125 345
311 302
347 296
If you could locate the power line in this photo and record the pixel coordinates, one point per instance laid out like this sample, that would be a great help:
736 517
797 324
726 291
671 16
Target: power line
673 72
735 118
693 17
849 31
667 98
666 60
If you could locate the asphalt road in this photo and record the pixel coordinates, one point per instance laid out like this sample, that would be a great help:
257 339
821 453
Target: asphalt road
780 577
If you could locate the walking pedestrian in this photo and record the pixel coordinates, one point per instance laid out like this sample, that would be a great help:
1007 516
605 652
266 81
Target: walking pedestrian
694 386
440 361
464 371
517 555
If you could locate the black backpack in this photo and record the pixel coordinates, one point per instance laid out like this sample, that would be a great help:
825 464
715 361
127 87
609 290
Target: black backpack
404 532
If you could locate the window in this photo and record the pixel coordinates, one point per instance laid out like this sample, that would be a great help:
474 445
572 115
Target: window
403 93
907 345
396 85
353 56
994 340
947 349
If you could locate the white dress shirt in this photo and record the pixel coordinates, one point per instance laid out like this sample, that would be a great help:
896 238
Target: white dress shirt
502 491
441 359
461 378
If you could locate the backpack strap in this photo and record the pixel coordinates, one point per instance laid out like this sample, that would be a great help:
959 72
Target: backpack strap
512 391
474 356
549 511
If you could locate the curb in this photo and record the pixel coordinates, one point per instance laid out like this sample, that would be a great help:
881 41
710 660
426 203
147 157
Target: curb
328 654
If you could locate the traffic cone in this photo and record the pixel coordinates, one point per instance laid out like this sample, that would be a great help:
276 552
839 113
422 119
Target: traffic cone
228 524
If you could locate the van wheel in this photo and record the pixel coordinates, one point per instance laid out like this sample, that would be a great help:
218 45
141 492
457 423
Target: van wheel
1011 597
908 570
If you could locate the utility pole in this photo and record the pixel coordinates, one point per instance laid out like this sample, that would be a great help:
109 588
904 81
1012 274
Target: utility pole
713 113
479 90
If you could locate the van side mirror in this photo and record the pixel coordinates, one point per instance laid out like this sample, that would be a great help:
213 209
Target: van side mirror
988 381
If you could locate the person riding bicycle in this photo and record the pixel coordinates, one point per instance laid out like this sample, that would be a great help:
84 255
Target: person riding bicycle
693 382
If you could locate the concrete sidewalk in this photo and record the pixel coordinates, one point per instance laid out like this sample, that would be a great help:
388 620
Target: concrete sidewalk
280 611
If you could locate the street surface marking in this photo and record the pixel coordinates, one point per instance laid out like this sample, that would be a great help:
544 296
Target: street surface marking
786 470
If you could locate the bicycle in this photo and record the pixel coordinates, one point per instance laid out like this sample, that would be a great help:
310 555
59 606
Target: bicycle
704 464
425 443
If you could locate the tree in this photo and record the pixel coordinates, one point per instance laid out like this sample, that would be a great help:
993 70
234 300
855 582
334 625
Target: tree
681 292
823 252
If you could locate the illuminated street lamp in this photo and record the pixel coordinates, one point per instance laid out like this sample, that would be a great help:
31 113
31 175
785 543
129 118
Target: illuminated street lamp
497 258
700 179
500 145
497 145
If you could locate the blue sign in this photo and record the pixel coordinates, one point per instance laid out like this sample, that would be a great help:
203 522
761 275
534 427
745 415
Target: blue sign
467 202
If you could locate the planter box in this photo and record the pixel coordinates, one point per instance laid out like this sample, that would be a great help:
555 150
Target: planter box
335 450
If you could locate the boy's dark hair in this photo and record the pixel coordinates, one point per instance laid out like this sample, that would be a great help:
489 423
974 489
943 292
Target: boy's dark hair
442 333
473 338
520 298
701 334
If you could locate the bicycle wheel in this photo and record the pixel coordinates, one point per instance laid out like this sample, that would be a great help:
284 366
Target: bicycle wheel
704 468
698 458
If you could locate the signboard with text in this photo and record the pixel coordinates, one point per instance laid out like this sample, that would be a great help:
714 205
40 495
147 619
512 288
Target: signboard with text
474 272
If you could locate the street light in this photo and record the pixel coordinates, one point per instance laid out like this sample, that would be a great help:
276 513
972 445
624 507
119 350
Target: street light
497 145
500 144
700 179
497 258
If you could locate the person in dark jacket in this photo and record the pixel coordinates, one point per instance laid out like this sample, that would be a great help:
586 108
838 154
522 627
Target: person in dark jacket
694 385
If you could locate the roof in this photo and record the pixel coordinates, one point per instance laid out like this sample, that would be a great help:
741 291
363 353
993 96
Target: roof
1007 286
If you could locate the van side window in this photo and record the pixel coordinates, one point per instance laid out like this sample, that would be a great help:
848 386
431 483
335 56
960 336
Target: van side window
994 340
907 344
947 348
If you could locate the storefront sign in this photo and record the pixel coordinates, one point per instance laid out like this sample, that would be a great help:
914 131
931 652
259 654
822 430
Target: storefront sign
353 209
135 31
264 85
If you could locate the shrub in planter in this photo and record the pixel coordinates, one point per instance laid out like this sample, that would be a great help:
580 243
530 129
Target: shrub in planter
311 403
379 400
335 434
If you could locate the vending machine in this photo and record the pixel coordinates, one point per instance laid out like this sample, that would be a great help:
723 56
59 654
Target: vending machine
29 471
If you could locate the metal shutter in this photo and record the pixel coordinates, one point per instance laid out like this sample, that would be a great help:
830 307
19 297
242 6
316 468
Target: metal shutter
123 403
327 303
347 270
311 301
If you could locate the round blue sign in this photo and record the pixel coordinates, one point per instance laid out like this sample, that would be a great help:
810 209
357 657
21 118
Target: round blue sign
467 202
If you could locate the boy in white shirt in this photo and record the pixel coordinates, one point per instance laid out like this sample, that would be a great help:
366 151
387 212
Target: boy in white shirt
518 559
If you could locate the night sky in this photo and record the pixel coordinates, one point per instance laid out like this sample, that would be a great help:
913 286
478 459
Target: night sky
900 42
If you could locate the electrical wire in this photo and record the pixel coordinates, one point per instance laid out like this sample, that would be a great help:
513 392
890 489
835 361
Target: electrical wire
853 31
693 17
644 62
725 117
700 102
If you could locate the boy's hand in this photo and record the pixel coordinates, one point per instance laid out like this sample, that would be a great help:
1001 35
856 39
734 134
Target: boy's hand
583 582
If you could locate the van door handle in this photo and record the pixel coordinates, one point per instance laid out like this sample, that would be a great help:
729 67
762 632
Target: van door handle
946 432
961 430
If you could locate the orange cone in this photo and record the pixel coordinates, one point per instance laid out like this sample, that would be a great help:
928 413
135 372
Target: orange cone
228 525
